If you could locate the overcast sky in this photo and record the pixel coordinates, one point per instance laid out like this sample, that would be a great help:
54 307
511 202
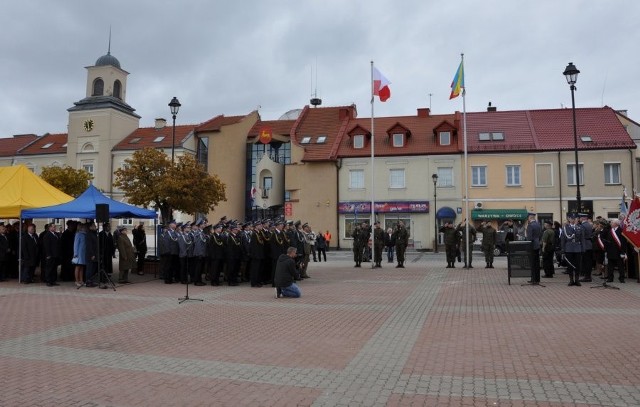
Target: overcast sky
231 57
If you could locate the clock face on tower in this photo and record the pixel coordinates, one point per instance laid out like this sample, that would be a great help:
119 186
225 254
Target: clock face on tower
88 125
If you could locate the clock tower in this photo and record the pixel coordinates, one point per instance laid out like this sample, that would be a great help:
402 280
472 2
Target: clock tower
100 120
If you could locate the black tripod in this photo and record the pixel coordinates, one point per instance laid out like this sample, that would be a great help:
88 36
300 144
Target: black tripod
605 285
186 296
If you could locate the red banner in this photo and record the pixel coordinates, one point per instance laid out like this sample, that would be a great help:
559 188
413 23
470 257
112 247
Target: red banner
631 224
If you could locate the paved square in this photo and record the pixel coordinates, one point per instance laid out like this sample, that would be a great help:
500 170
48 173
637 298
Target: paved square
419 336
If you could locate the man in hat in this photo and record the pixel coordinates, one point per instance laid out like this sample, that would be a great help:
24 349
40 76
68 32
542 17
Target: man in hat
572 238
278 245
265 269
200 243
587 254
256 254
30 254
107 251
534 233
548 249
401 237
378 244
451 239
358 236
169 251
216 254
234 254
140 244
185 252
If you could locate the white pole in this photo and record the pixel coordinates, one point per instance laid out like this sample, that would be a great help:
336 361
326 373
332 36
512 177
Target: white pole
373 213
466 170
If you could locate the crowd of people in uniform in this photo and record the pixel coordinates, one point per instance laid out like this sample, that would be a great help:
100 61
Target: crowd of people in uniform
234 252
393 240
582 245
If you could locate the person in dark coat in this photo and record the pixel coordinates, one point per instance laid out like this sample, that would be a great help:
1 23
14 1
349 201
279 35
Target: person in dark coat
451 239
66 251
462 233
29 254
140 245
107 252
587 256
284 279
321 247
572 238
91 252
616 247
360 238
534 233
51 248
548 249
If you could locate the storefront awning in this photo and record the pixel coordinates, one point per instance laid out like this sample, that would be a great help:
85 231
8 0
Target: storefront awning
446 213
499 214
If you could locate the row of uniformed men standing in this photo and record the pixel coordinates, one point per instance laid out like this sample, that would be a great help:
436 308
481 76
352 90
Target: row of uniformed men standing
240 252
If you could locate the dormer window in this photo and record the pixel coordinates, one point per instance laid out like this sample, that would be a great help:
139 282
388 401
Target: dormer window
305 140
445 138
398 139
358 141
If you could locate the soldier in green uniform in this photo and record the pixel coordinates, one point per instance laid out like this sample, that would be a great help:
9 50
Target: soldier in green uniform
451 240
401 237
489 236
358 236
463 246
378 243
548 249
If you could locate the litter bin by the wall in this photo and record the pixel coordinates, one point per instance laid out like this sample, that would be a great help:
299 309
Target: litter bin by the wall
518 259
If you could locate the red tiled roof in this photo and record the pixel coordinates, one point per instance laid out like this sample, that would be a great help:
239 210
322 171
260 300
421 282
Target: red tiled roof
554 129
279 127
47 144
547 130
11 145
217 122
146 136
421 142
328 122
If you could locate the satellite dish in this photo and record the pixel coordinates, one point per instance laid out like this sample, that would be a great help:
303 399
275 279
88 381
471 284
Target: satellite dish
292 114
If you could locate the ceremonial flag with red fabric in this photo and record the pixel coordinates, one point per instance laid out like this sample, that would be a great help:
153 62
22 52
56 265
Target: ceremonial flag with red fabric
631 223
381 85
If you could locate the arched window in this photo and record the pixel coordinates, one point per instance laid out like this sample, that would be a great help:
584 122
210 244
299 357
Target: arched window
117 89
98 87
88 148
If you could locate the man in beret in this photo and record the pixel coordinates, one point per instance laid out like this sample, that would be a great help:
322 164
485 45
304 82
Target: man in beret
378 244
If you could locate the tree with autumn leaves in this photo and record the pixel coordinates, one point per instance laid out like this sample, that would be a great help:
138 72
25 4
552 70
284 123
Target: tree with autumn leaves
68 180
150 180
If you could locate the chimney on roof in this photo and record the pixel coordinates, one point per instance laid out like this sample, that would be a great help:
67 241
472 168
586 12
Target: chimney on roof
423 112
491 108
160 123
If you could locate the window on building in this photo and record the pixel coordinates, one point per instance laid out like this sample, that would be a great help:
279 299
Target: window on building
513 175
358 141
612 173
544 175
613 215
350 223
47 145
356 179
498 136
267 184
287 195
321 139
479 176
484 136
305 140
117 89
135 140
396 178
445 176
98 87
398 140
158 139
126 222
445 138
88 168
586 139
571 174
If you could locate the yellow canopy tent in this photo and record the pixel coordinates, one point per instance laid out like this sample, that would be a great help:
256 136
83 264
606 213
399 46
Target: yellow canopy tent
21 189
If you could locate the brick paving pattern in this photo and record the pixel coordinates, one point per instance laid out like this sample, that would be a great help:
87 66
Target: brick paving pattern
419 336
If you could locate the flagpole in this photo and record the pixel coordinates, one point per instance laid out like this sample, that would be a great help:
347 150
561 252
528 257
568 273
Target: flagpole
373 219
466 169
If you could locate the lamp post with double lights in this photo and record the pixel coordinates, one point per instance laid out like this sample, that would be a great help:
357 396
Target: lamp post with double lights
174 105
434 177
571 73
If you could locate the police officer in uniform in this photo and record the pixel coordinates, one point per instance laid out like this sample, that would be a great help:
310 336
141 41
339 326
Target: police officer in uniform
256 253
572 238
587 256
216 254
233 253
534 233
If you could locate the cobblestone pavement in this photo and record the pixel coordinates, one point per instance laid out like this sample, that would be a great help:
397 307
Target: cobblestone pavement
420 336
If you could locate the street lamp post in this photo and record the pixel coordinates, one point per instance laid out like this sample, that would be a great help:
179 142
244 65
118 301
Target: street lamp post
434 177
174 105
571 73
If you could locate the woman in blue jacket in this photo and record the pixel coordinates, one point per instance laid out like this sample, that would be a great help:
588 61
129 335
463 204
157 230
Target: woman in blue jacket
79 253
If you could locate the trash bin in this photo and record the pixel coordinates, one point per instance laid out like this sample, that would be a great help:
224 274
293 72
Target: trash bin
518 259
